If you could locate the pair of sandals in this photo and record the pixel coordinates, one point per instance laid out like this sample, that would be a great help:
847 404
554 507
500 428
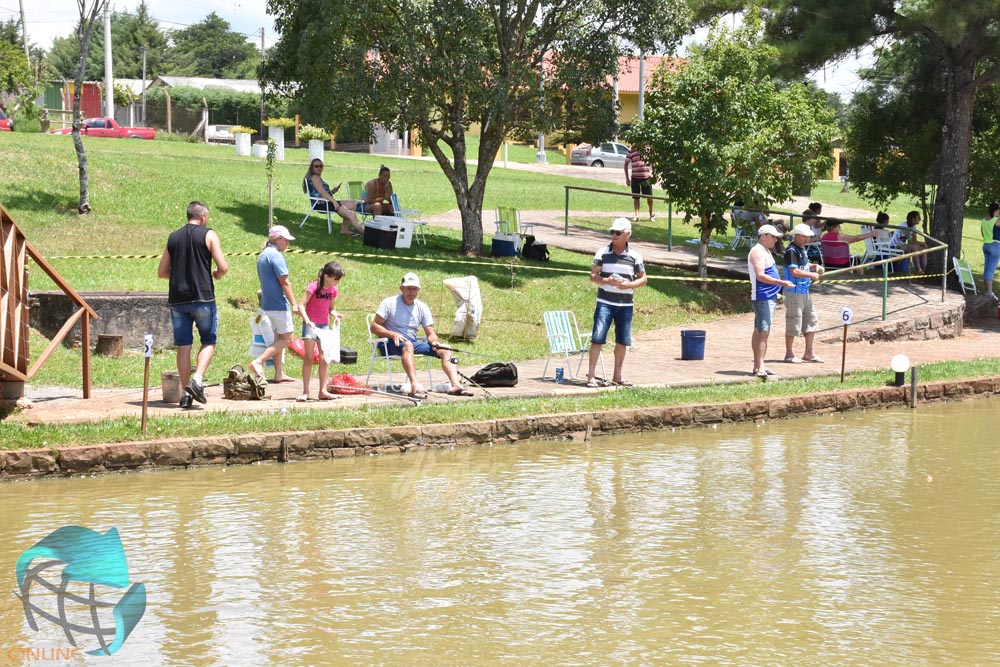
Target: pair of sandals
764 374
796 360
302 398
594 383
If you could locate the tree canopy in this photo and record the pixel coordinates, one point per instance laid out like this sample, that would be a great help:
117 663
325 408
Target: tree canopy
208 48
721 128
440 66
965 38
16 78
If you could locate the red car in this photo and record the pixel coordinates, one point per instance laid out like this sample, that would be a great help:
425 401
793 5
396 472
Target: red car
6 125
107 127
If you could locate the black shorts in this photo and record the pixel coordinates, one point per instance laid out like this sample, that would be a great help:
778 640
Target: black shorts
642 186
327 206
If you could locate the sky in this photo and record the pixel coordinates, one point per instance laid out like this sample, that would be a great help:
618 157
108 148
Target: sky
47 19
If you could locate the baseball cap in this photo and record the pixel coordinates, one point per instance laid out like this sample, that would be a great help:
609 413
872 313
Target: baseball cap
280 232
804 230
768 229
621 225
410 280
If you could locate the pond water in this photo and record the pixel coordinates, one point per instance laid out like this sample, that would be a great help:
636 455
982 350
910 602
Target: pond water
858 539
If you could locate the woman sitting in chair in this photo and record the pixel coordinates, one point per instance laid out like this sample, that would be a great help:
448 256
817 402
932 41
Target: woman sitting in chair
837 246
314 185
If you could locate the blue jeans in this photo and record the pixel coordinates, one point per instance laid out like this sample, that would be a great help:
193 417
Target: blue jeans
991 251
419 347
202 315
604 315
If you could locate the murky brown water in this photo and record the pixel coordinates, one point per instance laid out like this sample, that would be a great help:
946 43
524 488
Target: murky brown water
862 539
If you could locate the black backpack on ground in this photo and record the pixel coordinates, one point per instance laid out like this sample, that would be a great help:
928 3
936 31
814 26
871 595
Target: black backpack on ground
498 374
532 250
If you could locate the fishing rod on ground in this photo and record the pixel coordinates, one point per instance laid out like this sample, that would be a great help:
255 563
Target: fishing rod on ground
377 392
439 346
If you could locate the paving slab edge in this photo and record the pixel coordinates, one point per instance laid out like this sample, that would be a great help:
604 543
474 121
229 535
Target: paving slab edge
325 444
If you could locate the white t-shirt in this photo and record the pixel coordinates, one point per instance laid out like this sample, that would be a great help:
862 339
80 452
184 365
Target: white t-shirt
403 319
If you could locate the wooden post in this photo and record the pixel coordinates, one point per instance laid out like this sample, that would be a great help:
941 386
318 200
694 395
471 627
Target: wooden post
843 355
145 396
85 331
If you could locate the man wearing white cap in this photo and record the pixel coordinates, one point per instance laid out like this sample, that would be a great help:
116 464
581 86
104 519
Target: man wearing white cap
617 270
765 285
277 300
398 318
800 316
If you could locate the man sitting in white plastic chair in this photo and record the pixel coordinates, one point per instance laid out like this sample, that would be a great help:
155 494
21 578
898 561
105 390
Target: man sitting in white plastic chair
397 319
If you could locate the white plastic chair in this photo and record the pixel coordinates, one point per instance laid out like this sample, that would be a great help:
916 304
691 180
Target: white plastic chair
411 214
318 205
878 248
379 353
964 273
565 340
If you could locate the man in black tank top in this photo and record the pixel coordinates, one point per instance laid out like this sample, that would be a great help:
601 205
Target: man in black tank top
187 263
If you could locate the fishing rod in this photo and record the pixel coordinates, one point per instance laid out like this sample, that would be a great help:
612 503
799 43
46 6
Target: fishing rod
377 392
439 346
486 392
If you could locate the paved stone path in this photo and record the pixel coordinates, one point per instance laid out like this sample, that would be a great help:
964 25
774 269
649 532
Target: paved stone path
654 359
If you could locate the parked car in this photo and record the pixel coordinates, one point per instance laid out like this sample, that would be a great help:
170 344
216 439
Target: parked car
6 125
107 127
606 155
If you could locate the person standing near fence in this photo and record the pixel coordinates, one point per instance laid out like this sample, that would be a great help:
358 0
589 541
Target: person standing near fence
187 263
617 270
800 315
641 181
991 247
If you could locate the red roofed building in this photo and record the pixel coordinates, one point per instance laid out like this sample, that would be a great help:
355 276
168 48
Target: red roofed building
628 81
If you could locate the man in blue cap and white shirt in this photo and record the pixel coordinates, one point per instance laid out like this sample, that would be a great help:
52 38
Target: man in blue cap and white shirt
617 270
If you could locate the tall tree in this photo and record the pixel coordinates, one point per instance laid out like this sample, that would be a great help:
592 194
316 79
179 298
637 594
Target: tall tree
442 65
129 34
211 49
17 81
894 127
964 35
84 31
719 128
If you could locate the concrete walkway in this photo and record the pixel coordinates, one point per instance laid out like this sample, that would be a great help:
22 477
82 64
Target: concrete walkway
917 319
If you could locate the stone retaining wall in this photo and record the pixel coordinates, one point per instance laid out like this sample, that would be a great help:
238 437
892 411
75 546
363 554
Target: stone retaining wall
237 449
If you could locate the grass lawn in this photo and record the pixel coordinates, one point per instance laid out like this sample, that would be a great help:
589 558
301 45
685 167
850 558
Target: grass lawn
140 191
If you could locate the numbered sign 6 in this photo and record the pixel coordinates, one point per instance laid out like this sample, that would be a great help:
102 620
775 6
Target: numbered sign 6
147 345
846 315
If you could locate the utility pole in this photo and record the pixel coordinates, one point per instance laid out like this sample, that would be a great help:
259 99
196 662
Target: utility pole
24 31
540 155
262 89
144 87
109 79
642 86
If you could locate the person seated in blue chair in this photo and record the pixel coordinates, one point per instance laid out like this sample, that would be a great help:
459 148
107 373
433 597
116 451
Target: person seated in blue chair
378 194
314 185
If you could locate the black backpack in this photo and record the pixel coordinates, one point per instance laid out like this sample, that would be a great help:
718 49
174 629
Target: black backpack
496 375
532 250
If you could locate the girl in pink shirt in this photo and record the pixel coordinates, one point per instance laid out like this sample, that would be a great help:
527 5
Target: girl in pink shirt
316 307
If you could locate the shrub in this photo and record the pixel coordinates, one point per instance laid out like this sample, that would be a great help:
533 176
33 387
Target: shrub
281 121
311 132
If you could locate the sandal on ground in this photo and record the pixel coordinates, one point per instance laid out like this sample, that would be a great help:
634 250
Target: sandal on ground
622 383
302 398
813 359
594 383
419 395
459 391
327 397
793 360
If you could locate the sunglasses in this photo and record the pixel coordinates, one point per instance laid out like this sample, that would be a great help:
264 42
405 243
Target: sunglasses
317 166
616 232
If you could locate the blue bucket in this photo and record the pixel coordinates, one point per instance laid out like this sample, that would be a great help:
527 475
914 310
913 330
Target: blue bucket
692 345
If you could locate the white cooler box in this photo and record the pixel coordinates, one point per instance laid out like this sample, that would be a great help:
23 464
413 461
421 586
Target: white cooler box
404 229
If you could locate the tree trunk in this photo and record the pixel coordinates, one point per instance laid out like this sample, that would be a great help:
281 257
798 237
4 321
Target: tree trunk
706 235
87 23
953 165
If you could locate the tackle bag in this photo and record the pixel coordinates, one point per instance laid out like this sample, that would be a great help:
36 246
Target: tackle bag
498 374
536 251
242 386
